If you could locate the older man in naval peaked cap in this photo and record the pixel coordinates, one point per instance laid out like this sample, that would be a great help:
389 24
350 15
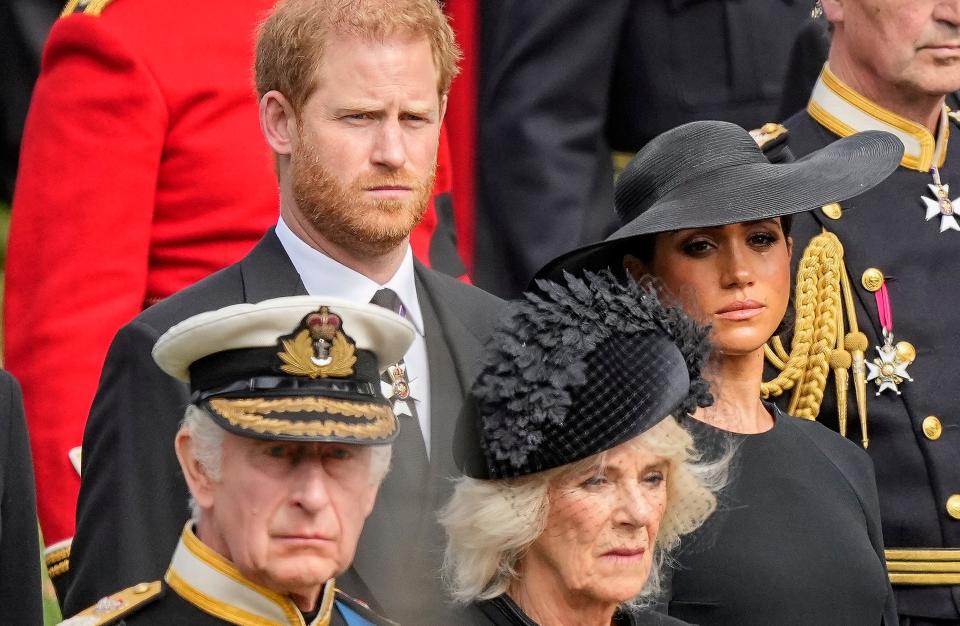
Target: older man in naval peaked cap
283 446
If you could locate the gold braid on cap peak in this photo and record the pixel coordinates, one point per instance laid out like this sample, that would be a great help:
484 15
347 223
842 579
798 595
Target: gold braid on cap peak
819 342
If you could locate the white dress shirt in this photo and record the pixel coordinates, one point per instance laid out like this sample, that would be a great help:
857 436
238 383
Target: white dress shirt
322 276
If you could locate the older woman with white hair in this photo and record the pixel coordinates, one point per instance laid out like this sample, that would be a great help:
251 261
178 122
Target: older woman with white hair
578 478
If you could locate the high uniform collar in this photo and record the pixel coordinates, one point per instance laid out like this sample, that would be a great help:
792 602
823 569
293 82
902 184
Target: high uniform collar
214 585
843 111
322 275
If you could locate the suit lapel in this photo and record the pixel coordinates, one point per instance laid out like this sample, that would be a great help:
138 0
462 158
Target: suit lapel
268 273
453 351
446 391
463 343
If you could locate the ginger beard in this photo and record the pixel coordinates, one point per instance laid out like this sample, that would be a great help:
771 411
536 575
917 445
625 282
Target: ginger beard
342 215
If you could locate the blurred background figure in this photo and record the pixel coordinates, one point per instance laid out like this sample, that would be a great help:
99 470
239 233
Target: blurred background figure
807 56
20 601
24 25
564 83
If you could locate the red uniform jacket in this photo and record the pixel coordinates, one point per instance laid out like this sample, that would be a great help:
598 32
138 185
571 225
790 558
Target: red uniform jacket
142 171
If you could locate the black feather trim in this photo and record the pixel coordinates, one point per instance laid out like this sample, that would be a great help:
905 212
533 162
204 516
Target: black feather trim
535 361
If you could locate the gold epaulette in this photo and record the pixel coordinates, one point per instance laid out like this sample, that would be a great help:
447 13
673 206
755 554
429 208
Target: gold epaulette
111 608
87 7
769 134
57 558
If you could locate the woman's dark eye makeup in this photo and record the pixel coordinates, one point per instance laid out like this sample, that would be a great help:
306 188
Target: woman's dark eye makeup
697 246
758 238
763 238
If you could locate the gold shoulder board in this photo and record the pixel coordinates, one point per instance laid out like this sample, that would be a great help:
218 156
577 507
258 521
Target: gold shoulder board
109 609
57 558
88 7
768 133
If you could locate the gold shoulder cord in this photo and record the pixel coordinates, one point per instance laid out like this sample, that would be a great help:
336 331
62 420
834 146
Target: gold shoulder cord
819 341
88 7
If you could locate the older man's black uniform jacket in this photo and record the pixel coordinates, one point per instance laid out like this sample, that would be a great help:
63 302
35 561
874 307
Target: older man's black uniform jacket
133 500
914 436
202 588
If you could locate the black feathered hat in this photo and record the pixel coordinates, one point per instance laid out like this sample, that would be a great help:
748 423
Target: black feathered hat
577 369
711 173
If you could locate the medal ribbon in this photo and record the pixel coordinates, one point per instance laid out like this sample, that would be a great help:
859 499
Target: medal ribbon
883 308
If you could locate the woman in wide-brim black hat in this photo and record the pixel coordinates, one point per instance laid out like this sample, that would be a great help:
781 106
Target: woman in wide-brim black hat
707 216
578 478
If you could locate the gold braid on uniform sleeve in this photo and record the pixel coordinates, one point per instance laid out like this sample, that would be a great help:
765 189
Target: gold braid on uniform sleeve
819 342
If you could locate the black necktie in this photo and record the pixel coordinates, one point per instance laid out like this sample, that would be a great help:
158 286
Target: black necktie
389 546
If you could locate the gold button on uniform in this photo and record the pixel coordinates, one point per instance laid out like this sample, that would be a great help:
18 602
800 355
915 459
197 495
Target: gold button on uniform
932 427
872 279
905 352
953 506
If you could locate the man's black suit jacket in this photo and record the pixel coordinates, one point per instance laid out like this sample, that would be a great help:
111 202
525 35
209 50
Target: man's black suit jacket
133 499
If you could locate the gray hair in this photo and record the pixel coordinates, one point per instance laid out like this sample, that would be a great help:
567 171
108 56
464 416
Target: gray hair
491 523
207 442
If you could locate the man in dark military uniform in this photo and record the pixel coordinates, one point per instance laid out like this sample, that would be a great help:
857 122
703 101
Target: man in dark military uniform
283 447
890 66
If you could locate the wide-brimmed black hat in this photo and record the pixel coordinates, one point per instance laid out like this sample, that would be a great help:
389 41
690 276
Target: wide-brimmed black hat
711 173
300 368
575 370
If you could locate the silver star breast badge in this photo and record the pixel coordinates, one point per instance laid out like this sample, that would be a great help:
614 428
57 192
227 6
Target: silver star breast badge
941 205
888 370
